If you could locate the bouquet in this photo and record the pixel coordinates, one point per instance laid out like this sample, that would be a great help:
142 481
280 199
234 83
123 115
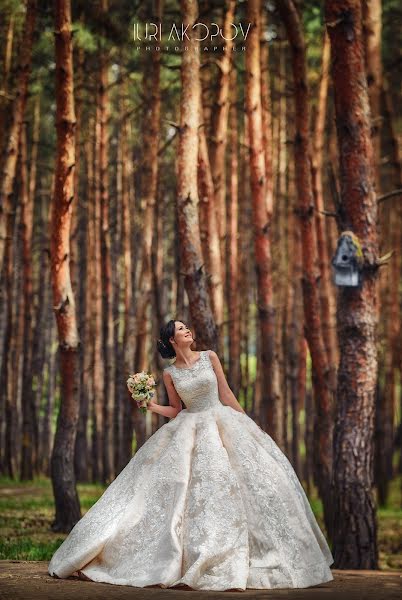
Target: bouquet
141 387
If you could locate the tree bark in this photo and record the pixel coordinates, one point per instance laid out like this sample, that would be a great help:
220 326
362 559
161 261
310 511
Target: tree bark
219 126
387 400
311 300
261 224
326 291
107 285
29 421
355 535
233 258
209 224
62 462
11 152
187 201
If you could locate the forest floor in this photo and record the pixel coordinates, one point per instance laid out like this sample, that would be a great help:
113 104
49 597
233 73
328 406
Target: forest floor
29 580
27 543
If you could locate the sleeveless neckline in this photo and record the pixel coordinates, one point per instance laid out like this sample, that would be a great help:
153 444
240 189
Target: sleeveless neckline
191 366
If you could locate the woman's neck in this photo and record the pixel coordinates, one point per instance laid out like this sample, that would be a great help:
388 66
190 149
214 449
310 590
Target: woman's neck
185 356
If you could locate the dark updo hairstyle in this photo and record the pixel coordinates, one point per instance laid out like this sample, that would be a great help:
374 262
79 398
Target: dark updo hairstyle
165 347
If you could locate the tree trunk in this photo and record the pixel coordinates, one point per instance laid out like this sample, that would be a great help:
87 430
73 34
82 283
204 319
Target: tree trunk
372 26
355 535
234 247
187 201
266 117
107 286
326 291
18 109
5 99
261 223
29 421
384 435
62 463
209 225
128 343
219 126
311 300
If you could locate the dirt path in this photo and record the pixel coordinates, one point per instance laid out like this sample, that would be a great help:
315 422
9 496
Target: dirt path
29 580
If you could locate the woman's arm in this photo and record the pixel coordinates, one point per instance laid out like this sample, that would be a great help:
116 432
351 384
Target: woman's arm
225 393
174 400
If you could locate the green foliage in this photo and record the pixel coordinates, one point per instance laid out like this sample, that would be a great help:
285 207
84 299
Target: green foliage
83 37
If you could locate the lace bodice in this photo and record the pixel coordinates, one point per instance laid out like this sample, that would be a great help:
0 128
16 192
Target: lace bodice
197 385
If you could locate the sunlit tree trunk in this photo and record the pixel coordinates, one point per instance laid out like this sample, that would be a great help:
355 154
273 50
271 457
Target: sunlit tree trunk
233 259
62 463
187 201
98 372
355 534
326 290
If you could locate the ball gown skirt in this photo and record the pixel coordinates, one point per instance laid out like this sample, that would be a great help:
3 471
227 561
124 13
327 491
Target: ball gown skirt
209 501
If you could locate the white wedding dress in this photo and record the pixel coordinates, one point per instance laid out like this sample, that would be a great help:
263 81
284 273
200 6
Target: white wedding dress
209 501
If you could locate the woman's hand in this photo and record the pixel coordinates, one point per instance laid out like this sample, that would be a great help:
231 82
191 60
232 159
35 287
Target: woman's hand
151 405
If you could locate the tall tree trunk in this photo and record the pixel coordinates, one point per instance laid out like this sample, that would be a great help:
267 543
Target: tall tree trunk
187 201
326 291
107 286
266 116
384 435
311 300
80 277
149 182
62 462
209 224
29 421
219 126
372 26
355 536
234 248
10 358
18 109
261 222
128 349
5 99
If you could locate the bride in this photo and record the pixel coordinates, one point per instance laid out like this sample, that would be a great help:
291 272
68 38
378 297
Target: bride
209 501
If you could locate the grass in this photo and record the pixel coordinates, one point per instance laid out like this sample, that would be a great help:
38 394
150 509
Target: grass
26 515
27 511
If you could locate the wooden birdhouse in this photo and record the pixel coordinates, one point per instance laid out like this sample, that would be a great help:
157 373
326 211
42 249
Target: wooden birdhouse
348 260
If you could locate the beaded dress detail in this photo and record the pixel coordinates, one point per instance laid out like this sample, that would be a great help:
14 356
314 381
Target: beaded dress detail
209 501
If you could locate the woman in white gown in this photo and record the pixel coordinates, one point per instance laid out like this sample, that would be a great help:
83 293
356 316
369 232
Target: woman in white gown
209 501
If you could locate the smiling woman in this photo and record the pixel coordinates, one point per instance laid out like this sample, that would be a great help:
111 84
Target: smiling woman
238 516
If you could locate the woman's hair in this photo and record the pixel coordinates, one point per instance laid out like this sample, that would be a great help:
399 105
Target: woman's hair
165 347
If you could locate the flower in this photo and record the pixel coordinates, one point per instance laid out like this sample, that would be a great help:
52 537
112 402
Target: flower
140 386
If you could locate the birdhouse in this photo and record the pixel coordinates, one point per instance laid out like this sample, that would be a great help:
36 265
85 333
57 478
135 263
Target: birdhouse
348 260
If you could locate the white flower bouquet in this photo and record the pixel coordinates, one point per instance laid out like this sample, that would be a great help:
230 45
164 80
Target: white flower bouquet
141 387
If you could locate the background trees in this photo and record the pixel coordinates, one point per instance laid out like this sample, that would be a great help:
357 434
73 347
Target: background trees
206 187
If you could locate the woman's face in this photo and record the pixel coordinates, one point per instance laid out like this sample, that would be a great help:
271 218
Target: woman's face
182 335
